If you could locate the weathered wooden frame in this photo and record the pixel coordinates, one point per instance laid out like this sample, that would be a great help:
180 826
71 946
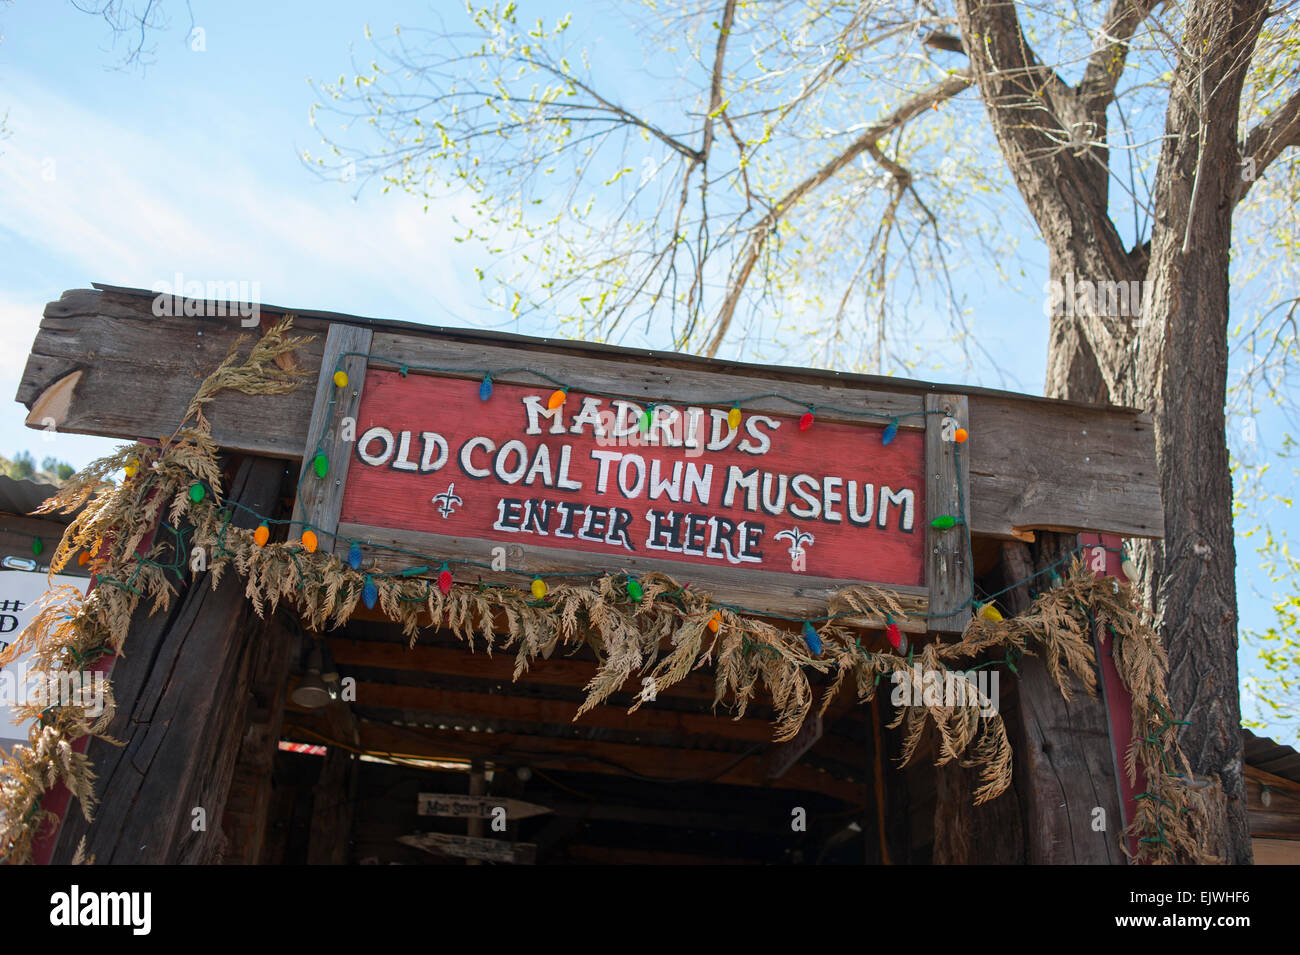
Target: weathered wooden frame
1031 463
944 598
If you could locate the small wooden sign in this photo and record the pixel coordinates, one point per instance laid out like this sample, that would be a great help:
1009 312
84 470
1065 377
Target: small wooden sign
460 806
644 472
469 847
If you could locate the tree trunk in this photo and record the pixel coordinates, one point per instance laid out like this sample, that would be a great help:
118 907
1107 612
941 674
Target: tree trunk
1175 362
1181 375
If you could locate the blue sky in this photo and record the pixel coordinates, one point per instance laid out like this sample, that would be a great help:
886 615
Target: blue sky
193 166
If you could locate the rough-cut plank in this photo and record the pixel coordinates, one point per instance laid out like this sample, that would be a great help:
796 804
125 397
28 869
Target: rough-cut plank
1034 463
1062 467
249 803
644 381
182 695
1064 746
966 834
125 352
319 499
789 594
992 833
334 794
947 494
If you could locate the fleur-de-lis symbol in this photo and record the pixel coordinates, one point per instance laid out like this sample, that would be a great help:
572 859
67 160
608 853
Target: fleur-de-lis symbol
797 538
448 501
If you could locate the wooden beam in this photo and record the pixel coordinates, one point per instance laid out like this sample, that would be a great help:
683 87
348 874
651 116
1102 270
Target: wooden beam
1064 749
248 806
771 592
123 351
947 480
1034 463
461 662
182 695
1265 778
577 755
333 798
319 499
525 709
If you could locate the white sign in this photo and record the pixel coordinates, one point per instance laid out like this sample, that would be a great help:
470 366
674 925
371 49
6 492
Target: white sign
19 682
475 807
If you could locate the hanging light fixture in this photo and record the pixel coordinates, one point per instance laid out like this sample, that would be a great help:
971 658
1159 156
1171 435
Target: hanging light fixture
311 691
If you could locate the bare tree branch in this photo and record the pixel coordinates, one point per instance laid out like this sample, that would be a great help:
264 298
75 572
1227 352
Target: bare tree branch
1270 137
715 82
759 232
1110 52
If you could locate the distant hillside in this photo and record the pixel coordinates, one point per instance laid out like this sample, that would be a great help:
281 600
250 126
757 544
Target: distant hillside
22 467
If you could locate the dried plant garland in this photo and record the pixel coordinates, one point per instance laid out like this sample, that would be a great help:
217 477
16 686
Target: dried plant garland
665 635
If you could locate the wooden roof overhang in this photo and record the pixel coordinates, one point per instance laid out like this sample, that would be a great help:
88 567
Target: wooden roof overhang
1036 464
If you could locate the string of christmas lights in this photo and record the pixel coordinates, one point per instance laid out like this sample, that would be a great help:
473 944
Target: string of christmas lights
310 534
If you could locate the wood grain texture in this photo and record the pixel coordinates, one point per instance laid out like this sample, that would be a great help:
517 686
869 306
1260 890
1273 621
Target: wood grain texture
643 381
1063 746
1032 465
947 551
319 499
182 696
1062 467
248 806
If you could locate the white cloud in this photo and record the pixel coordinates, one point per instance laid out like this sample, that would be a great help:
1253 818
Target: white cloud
133 208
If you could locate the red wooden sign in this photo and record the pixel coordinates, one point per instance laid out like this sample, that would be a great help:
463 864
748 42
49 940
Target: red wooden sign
597 475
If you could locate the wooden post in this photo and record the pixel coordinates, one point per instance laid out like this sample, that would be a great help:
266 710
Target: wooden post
182 697
319 499
947 492
477 787
336 790
1064 746
989 834
249 805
